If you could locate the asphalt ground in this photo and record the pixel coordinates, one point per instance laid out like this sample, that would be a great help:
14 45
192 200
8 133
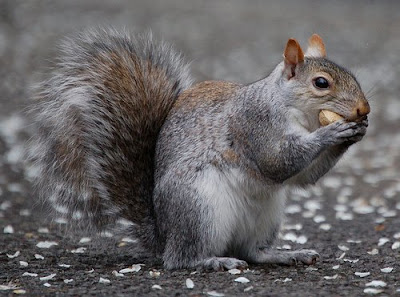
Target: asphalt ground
351 217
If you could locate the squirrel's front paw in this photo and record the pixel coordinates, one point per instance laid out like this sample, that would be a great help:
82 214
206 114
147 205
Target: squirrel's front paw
362 130
344 132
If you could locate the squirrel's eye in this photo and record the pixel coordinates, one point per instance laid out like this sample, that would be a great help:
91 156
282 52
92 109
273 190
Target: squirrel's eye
321 83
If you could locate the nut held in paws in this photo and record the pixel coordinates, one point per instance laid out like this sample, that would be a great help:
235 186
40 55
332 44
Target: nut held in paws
327 117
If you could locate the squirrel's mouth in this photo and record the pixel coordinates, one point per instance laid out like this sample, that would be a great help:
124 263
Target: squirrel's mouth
356 113
359 119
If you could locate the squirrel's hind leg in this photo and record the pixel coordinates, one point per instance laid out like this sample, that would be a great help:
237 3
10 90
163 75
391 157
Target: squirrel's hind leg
268 256
188 229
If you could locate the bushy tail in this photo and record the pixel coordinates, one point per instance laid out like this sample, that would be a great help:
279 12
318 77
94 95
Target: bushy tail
98 119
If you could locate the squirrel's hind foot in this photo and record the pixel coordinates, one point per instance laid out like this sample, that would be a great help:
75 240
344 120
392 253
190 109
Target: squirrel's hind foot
221 264
267 256
308 257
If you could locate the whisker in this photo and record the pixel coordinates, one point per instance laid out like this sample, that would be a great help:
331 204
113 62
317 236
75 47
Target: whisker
371 93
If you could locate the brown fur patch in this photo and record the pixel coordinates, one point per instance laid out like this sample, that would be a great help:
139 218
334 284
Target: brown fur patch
230 156
125 75
207 92
69 150
69 159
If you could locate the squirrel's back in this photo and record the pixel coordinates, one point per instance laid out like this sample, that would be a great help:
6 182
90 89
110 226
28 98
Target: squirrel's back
98 118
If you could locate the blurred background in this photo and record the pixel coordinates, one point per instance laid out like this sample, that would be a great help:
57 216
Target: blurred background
233 40
225 39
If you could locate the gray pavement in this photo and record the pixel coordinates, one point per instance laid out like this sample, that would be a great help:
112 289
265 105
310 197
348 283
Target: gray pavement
351 216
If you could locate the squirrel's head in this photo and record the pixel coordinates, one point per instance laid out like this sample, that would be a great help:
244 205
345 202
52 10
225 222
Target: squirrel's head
319 83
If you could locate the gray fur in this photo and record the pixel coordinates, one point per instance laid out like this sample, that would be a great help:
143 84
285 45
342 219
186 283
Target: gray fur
98 117
203 173
274 154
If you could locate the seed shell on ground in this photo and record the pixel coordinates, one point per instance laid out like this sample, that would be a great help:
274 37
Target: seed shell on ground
189 283
104 280
46 244
242 280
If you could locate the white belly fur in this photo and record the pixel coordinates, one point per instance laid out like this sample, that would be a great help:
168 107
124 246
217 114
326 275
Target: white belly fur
244 213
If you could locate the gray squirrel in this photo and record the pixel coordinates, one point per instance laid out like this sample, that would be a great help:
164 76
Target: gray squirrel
201 171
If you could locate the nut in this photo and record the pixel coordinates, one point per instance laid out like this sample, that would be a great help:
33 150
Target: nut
327 117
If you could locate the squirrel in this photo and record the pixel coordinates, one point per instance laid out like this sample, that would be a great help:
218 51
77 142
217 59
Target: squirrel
201 171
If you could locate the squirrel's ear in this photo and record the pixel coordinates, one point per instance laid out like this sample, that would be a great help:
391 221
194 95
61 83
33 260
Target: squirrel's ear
293 55
316 47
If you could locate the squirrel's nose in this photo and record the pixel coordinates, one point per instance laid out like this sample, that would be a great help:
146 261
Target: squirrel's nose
361 109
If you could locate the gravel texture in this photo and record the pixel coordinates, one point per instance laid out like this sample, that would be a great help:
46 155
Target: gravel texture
351 217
